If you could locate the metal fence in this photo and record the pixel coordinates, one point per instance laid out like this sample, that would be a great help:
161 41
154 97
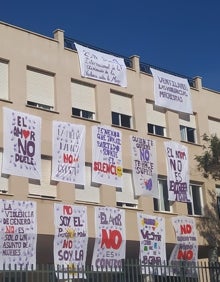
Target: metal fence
131 271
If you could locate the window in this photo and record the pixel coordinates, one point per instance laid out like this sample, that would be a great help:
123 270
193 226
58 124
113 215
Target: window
4 81
45 187
214 126
162 204
218 199
3 177
125 196
121 107
196 206
83 100
187 128
40 89
89 192
156 119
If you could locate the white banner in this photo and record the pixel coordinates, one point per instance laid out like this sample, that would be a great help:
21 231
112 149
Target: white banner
22 144
172 92
151 231
68 163
144 166
18 237
177 171
101 66
107 156
70 240
186 249
110 242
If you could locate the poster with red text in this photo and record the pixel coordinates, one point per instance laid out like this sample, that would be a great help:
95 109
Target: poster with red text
68 163
18 236
109 249
22 144
144 166
107 156
70 240
151 231
186 248
177 171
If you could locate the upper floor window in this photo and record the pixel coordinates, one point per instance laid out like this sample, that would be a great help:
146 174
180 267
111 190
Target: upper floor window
187 127
162 204
121 107
3 177
40 89
196 206
4 81
156 119
83 100
214 126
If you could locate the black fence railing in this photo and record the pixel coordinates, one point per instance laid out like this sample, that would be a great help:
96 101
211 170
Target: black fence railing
131 271
144 67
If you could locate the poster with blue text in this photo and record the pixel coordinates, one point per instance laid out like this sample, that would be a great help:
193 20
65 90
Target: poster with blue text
22 144
70 240
110 242
68 163
144 166
151 231
107 156
18 236
186 248
177 171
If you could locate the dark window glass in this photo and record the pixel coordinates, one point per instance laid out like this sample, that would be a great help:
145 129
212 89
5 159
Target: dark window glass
159 130
87 114
191 134
76 112
115 118
150 128
125 121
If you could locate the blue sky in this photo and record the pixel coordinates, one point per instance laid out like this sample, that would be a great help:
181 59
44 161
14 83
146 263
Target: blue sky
180 36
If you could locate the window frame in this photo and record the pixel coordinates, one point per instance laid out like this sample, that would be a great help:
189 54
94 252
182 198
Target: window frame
166 205
191 207
119 117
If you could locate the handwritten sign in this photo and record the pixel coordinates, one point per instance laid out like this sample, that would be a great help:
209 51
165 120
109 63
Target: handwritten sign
178 171
109 249
71 239
101 66
144 166
22 144
172 92
107 156
18 234
68 152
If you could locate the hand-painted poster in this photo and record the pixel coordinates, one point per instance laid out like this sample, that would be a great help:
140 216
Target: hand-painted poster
68 163
109 249
102 66
186 249
107 156
152 242
177 172
22 144
172 92
70 240
144 166
18 236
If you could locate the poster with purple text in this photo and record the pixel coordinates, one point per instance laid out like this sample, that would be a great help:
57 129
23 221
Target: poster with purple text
18 236
107 156
22 144
144 166
68 163
177 171
70 240
186 248
109 249
152 240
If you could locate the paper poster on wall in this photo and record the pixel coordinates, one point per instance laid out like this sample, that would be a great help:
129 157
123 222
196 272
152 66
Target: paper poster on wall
18 237
144 166
186 248
177 171
22 144
101 66
107 156
151 231
172 92
68 163
110 242
70 240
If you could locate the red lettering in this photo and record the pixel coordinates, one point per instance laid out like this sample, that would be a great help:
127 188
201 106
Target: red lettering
111 239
